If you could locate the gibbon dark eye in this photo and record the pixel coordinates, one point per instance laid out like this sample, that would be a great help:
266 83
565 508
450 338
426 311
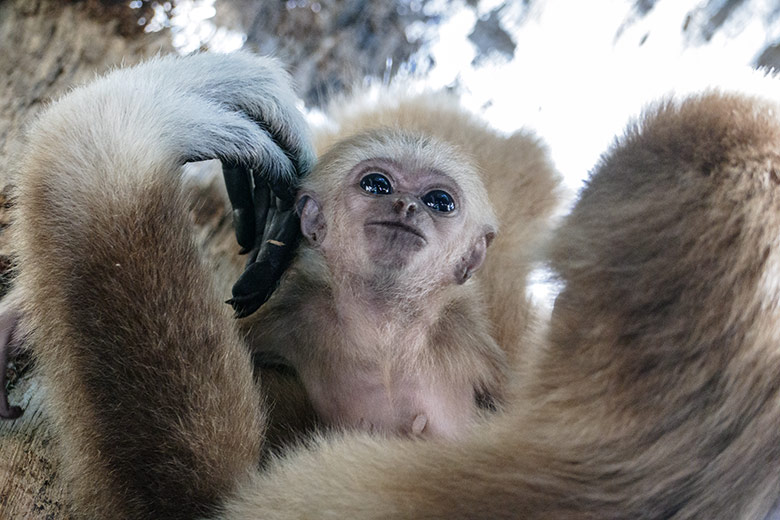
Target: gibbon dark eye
439 200
377 184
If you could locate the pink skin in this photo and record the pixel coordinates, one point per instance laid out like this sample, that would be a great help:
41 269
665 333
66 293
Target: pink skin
400 225
397 228
392 233
406 404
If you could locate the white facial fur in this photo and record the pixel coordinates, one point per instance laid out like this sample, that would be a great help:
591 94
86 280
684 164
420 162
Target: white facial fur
384 235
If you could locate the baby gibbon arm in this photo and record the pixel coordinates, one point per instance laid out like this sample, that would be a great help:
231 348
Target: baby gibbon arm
149 384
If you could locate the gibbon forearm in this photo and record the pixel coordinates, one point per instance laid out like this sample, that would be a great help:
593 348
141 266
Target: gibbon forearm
148 381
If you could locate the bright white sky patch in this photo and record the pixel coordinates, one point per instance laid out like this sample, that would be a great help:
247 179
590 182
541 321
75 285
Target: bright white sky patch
576 78
191 25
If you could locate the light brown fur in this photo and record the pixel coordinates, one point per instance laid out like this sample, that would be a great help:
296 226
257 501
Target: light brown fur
102 388
128 235
653 395
379 347
523 207
521 185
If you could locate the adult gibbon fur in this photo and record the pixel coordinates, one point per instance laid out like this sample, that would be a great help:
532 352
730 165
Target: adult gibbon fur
652 394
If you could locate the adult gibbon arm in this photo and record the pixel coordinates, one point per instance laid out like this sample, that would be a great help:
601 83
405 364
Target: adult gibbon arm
148 382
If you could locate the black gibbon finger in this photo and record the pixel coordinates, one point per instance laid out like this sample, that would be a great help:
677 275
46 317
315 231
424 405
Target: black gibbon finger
263 203
238 183
279 174
265 210
261 278
285 226
285 194
284 185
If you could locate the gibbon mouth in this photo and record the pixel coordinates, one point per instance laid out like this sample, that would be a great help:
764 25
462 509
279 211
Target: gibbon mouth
399 226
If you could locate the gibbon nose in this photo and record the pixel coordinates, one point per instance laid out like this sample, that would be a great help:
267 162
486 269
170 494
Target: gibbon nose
405 206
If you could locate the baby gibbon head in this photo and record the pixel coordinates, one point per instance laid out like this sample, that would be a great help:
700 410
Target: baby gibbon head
389 202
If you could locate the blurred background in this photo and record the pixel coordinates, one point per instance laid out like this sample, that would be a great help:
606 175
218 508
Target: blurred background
574 72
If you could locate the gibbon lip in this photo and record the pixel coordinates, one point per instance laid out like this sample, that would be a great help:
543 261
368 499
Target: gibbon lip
398 225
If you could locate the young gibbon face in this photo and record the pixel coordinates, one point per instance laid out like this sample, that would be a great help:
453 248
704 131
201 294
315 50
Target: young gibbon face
400 210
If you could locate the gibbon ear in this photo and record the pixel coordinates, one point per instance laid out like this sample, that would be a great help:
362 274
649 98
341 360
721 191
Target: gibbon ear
474 257
313 224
